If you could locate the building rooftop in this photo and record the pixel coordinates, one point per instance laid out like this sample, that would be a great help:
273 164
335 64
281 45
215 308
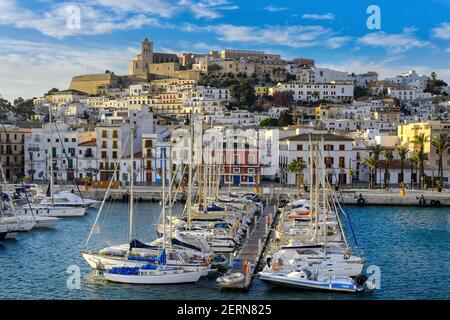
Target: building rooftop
316 137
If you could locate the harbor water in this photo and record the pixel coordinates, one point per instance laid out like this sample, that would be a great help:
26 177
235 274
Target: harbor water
411 246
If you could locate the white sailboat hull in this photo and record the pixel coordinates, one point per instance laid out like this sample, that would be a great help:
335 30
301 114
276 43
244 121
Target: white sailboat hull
45 222
183 277
97 261
59 211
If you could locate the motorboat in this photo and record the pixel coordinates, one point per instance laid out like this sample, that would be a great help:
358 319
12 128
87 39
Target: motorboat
305 279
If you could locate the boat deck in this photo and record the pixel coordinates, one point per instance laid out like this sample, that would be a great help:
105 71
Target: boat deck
254 247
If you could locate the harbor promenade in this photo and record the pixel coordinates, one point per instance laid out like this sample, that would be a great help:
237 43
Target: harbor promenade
370 197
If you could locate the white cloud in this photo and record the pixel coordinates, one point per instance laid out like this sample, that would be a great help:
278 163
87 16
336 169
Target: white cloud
55 21
337 42
385 68
297 36
394 43
312 16
275 8
30 68
208 9
443 31
105 16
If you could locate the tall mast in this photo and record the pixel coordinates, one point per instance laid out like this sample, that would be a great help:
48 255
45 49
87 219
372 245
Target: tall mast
170 193
311 182
324 200
131 199
51 151
191 149
163 176
316 196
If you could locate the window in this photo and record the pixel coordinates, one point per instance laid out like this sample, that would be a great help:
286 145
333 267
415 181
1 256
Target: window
104 155
251 170
329 147
299 147
342 147
236 170
114 155
115 134
329 162
114 145
341 162
104 134
104 144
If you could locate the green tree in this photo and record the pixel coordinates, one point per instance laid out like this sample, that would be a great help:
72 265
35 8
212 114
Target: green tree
388 155
371 163
376 150
297 166
402 152
23 109
285 119
420 140
5 107
441 142
269 122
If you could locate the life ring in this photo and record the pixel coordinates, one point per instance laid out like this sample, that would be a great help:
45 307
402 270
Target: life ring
276 267
361 201
433 203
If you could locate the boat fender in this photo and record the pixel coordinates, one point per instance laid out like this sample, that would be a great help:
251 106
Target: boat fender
276 267
207 261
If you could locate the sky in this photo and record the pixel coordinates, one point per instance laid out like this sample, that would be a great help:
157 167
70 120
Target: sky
43 43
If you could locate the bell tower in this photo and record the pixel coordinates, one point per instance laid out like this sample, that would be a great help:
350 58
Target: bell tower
147 54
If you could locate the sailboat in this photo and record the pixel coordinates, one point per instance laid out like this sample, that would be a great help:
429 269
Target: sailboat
53 207
152 273
313 253
189 256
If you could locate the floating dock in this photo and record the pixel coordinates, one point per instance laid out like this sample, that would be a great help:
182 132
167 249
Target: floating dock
251 252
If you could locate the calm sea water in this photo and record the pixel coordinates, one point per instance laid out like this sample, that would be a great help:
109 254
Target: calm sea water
410 245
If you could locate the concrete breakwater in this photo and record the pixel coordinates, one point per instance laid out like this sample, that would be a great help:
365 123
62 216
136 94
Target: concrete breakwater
346 196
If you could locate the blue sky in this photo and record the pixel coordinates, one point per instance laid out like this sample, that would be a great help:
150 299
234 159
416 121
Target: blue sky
39 51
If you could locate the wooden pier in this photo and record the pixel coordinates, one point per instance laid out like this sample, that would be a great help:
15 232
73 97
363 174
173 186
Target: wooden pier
251 252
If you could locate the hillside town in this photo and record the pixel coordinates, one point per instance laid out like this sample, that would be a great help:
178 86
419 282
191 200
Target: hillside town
375 132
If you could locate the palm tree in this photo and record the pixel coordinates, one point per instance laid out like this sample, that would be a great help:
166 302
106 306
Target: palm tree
402 152
421 139
376 151
441 142
388 155
413 161
371 163
421 158
297 166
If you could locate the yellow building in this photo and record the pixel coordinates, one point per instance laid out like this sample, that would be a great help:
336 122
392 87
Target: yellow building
327 111
262 91
408 132
93 83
